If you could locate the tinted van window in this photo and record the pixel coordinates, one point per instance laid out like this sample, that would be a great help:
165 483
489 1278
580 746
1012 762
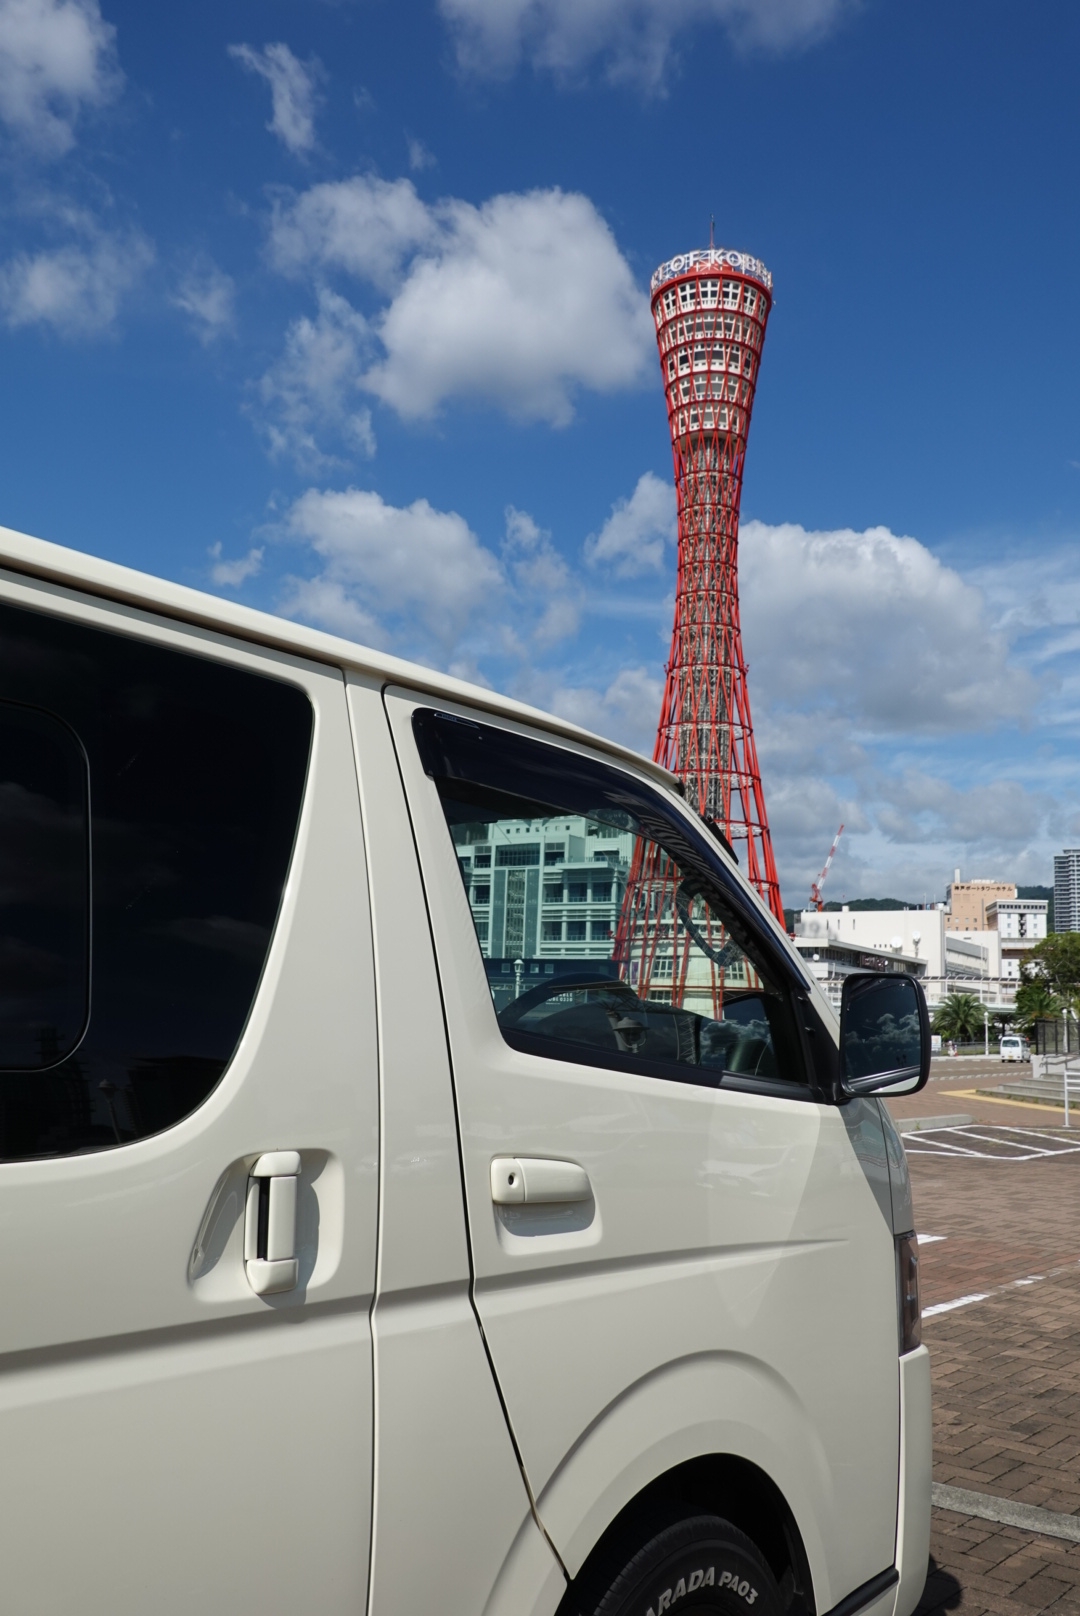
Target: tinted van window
44 889
195 776
608 937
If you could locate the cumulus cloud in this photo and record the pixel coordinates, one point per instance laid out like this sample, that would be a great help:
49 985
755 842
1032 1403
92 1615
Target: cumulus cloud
876 627
309 396
390 562
231 574
634 537
293 92
626 709
518 303
76 289
207 296
633 39
56 57
364 226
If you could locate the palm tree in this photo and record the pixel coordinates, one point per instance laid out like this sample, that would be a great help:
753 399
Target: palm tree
1036 1001
959 1016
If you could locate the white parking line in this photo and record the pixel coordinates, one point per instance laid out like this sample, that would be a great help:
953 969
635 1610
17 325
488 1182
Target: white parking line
961 1301
1006 1143
996 1290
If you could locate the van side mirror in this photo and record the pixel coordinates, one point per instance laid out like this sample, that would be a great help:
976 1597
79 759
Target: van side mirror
884 1035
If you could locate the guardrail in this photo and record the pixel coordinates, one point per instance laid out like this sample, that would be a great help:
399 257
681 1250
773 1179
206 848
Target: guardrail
1059 1074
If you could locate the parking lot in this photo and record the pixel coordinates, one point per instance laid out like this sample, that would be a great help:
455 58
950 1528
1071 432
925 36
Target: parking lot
997 1204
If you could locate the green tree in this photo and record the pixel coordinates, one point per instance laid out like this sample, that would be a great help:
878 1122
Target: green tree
959 1016
1055 962
1035 1001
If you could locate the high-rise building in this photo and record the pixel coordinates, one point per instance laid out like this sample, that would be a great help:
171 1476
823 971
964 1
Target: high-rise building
1067 890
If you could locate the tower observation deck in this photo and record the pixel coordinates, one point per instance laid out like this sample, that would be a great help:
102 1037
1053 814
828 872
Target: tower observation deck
710 309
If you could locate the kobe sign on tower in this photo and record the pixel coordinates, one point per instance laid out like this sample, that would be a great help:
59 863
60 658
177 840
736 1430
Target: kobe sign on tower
710 309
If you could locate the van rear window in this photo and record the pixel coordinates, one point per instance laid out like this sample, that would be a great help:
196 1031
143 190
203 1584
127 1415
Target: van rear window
149 800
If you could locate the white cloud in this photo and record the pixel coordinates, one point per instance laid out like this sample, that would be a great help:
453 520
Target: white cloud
542 576
625 710
56 57
419 156
876 627
517 303
364 225
207 296
76 289
633 538
293 92
390 563
523 301
310 392
634 39
231 574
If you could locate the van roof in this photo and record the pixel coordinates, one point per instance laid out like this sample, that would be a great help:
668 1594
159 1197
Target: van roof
73 569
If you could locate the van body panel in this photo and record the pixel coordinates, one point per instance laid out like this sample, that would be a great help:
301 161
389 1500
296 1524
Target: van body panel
916 1469
450 1501
161 1426
458 1397
724 1226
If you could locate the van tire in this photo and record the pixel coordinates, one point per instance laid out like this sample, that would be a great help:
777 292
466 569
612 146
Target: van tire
699 1565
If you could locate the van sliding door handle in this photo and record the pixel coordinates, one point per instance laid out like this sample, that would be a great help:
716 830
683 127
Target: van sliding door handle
536 1180
270 1223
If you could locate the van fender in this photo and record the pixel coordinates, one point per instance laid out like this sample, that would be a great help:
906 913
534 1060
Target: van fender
705 1403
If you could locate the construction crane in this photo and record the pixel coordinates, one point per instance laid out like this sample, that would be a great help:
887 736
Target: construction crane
816 886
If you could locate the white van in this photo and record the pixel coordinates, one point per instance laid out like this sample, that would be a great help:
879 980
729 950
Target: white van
370 1241
1014 1048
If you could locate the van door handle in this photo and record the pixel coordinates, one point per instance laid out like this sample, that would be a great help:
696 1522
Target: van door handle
270 1259
529 1180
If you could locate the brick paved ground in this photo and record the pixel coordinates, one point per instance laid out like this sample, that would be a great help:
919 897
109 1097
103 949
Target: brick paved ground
1006 1371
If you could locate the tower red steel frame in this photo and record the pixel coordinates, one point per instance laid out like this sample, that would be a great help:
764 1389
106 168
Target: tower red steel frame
710 309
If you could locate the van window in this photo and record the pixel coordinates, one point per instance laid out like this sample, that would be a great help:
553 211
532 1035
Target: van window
641 957
170 786
44 889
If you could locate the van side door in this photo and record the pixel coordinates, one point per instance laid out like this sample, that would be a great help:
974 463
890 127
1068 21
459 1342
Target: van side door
674 1239
188 1121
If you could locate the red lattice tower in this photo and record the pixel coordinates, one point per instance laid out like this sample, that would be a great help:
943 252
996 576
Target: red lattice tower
710 309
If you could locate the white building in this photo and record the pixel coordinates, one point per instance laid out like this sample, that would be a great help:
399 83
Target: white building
830 961
1020 923
951 961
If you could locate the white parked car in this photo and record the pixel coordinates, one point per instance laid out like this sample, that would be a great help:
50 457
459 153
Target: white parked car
1014 1048
429 1179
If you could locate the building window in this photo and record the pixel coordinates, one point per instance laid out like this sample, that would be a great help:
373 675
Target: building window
551 931
601 930
527 853
481 895
575 931
601 891
482 858
554 852
577 892
553 894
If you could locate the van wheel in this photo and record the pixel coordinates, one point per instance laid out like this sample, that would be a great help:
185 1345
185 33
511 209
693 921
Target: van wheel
695 1567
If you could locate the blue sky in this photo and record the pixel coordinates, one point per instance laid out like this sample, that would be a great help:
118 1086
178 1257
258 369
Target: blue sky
339 308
